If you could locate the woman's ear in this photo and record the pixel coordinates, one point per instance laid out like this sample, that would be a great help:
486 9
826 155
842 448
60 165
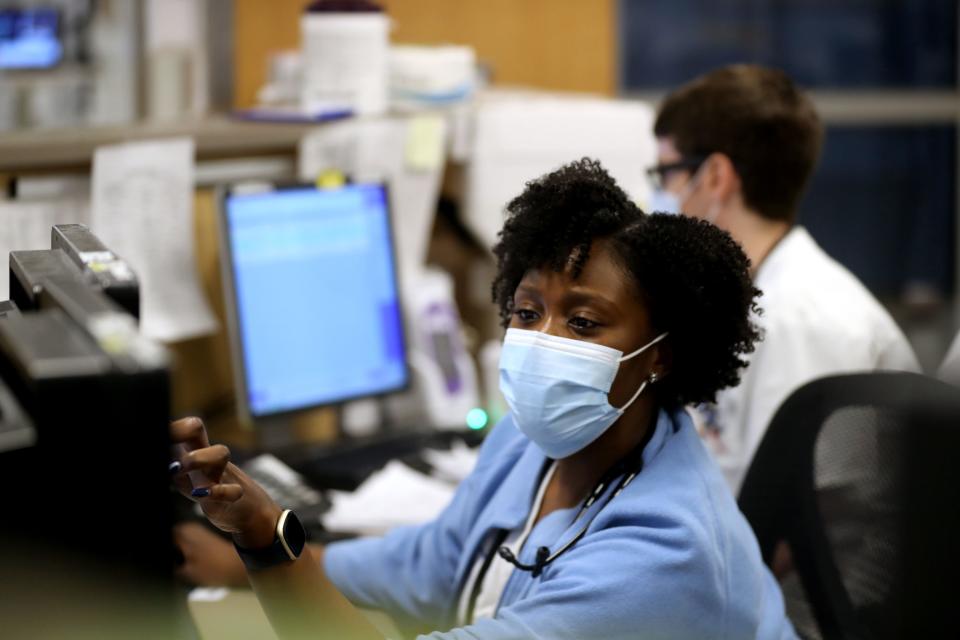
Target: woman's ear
662 359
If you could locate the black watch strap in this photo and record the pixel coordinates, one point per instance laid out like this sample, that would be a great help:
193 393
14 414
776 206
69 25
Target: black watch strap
288 542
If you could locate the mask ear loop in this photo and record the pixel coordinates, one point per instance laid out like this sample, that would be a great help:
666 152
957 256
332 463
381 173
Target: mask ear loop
645 347
645 382
635 396
713 213
691 185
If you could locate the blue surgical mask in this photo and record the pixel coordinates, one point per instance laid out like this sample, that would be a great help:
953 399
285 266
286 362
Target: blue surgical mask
557 388
663 201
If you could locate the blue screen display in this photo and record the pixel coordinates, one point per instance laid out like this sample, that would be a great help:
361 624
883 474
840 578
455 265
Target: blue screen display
28 38
316 295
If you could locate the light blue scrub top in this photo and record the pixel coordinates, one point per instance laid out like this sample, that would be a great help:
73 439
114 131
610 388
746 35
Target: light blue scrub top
670 557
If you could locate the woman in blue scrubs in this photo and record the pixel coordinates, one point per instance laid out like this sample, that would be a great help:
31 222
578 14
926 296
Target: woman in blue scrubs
594 510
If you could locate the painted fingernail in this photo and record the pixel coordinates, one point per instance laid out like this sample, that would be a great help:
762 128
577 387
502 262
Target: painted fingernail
201 492
174 468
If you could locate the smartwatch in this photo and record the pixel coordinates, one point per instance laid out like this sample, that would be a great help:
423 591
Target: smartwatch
288 543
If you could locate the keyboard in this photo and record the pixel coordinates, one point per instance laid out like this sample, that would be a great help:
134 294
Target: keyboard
287 487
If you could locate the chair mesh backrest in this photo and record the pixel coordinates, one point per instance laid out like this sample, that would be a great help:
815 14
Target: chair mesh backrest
950 367
855 473
837 477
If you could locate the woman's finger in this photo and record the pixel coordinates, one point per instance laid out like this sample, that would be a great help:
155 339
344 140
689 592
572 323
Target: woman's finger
211 461
189 432
219 493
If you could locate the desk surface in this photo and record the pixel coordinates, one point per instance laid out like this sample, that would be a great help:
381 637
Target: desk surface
229 614
235 614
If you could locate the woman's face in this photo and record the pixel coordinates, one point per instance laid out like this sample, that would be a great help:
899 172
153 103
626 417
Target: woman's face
601 306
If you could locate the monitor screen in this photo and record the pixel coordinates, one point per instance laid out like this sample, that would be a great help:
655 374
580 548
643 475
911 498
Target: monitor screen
29 38
315 296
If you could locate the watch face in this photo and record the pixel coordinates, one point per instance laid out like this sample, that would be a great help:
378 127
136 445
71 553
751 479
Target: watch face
294 534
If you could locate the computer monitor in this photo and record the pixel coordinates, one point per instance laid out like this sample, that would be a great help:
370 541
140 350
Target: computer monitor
313 299
29 38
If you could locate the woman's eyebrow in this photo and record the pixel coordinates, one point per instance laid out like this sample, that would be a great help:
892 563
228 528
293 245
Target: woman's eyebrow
589 297
527 290
573 296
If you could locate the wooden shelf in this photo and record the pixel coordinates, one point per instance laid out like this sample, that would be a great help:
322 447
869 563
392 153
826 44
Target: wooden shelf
44 151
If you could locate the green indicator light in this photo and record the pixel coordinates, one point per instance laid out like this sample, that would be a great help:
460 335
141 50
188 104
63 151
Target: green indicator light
477 418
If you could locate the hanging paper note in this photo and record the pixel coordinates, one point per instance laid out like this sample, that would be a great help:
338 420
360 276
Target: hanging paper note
143 210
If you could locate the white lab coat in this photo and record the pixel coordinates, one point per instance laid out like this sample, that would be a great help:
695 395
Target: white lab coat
818 320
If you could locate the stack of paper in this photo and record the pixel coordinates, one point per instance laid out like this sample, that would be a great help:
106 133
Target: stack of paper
394 496
454 464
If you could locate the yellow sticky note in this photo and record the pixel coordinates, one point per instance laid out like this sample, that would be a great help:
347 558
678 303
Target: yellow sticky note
425 150
330 179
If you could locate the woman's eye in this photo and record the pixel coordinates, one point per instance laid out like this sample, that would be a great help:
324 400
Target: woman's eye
580 323
526 315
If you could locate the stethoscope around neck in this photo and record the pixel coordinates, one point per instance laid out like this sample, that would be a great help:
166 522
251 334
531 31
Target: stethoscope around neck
627 469
544 556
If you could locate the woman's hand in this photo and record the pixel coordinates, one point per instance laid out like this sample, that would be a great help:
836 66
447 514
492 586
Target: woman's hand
209 560
229 498
296 596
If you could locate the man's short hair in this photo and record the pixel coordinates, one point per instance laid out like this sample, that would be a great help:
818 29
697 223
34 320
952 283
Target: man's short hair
759 119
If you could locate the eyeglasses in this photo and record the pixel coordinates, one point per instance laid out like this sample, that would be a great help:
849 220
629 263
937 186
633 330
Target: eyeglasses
658 174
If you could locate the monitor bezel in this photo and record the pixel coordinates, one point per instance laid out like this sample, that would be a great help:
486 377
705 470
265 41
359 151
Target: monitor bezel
228 276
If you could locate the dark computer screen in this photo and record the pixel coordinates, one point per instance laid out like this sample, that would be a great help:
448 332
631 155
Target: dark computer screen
316 301
29 38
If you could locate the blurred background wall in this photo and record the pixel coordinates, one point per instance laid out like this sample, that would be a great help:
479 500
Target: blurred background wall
883 73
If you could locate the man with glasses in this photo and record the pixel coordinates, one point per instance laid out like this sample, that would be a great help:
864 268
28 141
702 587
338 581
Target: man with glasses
736 147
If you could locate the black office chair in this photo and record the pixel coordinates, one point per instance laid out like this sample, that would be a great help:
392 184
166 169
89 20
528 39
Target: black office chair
949 370
858 474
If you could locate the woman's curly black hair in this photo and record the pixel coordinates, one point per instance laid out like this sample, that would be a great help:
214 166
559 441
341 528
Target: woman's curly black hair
694 279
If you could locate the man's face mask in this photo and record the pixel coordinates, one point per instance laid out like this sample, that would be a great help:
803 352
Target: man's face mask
665 201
